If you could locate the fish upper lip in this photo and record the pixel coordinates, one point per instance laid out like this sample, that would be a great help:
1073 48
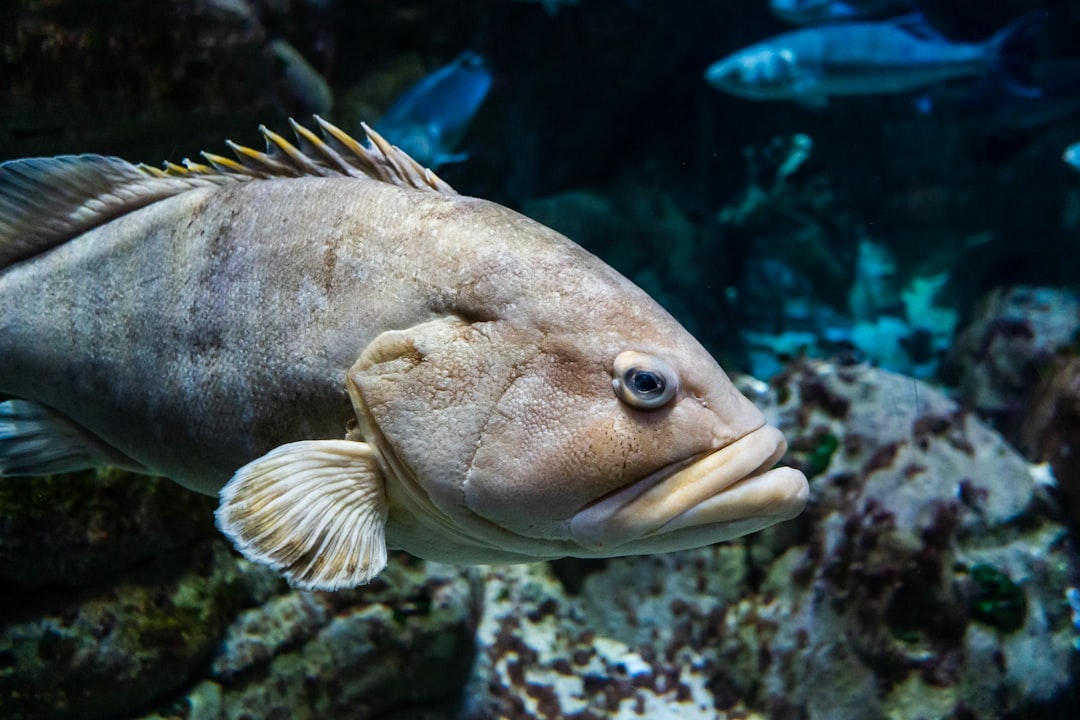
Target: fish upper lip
688 494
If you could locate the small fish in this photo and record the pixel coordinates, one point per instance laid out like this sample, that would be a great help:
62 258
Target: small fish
354 357
809 12
857 58
1072 155
302 89
430 119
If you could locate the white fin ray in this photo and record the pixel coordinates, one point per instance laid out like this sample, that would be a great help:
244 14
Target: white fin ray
314 510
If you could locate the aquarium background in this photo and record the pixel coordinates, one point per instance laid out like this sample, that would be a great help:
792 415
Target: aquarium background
899 272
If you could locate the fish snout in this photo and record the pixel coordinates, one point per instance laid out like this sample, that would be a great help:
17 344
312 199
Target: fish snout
752 73
725 74
730 492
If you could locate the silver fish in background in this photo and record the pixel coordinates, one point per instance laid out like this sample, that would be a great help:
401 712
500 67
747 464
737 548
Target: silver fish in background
809 12
1072 155
356 357
430 119
859 58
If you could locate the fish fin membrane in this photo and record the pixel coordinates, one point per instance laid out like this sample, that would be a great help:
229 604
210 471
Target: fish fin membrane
313 510
37 441
47 201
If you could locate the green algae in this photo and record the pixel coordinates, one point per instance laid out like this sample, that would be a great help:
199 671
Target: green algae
996 600
819 458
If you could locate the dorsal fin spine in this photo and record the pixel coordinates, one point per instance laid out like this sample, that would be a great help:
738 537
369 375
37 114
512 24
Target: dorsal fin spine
46 201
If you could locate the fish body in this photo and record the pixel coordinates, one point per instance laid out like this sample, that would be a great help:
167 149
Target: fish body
1072 155
430 119
356 357
810 12
813 64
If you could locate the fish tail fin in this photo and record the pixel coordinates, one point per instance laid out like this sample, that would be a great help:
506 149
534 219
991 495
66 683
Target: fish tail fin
1013 51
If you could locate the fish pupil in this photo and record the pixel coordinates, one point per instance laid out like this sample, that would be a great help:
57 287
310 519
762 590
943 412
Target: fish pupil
647 383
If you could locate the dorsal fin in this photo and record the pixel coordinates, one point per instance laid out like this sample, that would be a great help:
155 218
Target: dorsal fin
334 154
46 201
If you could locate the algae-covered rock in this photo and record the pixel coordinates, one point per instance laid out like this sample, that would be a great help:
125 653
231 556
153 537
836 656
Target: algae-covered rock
81 529
1051 431
403 642
933 572
999 357
111 650
119 595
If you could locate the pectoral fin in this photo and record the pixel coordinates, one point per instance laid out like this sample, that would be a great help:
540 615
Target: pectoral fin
35 440
313 510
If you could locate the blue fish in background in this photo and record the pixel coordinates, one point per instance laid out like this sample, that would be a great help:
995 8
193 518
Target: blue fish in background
430 119
809 12
1072 155
811 65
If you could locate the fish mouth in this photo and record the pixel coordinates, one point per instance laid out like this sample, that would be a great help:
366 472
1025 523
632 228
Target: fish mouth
706 499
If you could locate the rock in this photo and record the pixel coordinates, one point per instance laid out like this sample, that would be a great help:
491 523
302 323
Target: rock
150 74
541 656
403 642
115 648
1050 431
926 579
130 596
82 529
997 358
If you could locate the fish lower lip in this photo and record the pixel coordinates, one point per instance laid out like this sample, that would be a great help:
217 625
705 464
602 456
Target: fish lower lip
730 485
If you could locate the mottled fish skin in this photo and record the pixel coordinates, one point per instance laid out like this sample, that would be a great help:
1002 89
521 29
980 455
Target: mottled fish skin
432 368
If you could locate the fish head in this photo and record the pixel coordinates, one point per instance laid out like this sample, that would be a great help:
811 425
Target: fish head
765 71
588 424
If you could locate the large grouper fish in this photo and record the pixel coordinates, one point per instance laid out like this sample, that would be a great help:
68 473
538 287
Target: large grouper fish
356 357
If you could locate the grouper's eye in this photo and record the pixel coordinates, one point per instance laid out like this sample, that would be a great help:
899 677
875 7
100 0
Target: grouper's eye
644 381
